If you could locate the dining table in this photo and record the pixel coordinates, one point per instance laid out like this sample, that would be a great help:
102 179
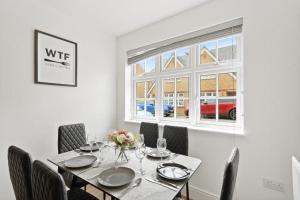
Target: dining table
150 188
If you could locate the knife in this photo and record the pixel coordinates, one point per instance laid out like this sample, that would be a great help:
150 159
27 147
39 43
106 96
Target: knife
165 182
162 184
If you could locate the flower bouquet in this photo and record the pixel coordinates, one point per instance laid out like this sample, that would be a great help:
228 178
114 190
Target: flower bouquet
123 140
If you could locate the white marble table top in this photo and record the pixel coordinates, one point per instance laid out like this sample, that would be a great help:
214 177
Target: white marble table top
146 191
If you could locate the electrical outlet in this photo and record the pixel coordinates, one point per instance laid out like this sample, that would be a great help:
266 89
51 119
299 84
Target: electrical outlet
273 185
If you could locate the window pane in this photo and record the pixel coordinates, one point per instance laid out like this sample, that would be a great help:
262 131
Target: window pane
140 68
150 65
208 109
227 109
182 86
140 112
168 61
182 102
169 90
150 111
140 90
182 57
208 52
227 84
208 85
227 49
150 89
182 107
169 87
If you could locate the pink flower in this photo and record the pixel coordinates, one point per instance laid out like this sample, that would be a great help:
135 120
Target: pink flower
124 132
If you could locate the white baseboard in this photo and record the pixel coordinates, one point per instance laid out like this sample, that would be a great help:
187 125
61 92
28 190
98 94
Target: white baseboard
200 194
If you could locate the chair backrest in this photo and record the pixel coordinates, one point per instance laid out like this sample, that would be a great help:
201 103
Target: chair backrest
19 164
46 183
71 137
177 139
230 174
296 178
150 132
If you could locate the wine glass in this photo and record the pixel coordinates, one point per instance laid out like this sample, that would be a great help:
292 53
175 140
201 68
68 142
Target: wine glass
91 141
141 141
100 146
161 147
140 153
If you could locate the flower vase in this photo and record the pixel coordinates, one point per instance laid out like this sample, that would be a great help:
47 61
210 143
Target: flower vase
122 157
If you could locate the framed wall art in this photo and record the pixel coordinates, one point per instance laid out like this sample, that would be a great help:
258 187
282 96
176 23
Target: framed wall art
55 60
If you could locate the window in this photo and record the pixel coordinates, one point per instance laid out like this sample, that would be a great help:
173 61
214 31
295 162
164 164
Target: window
179 58
222 105
145 98
145 66
175 90
218 51
199 84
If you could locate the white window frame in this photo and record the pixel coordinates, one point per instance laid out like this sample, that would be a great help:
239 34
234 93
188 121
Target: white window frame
180 100
145 65
163 69
193 72
175 98
238 97
145 98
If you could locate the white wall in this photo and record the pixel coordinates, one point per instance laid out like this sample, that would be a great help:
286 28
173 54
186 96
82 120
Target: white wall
271 51
31 113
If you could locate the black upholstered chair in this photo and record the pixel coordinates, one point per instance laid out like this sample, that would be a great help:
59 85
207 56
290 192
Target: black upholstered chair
150 132
230 175
177 139
19 164
49 185
71 137
177 142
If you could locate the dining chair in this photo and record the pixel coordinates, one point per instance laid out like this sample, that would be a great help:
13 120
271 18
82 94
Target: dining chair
230 174
150 132
19 164
71 137
49 185
296 178
177 142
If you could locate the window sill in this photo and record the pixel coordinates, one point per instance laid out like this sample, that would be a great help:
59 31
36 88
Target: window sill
219 129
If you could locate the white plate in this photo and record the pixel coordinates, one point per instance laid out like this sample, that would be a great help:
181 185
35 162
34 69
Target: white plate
116 177
173 171
80 161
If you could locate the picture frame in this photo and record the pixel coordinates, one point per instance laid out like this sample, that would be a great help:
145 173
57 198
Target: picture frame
55 60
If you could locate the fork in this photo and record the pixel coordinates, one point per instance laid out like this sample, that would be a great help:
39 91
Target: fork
62 63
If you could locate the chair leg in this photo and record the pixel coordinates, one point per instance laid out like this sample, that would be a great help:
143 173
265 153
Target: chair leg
187 191
104 196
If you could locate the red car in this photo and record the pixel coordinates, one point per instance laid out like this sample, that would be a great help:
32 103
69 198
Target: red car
227 110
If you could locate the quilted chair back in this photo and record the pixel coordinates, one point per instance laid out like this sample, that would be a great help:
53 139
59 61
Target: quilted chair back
177 139
19 164
150 132
71 137
46 183
230 175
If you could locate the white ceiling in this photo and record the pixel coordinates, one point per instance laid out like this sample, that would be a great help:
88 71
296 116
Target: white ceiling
122 16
